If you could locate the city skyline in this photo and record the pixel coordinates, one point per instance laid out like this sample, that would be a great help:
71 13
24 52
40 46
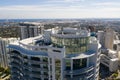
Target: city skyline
20 9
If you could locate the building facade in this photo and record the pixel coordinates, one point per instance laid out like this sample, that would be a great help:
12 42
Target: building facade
58 54
4 51
110 48
106 38
30 31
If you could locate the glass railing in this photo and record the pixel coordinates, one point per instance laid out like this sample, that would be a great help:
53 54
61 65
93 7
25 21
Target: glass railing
80 71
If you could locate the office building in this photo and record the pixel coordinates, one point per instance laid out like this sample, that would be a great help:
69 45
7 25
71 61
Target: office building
58 54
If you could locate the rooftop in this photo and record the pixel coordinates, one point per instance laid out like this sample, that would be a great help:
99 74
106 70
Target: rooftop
82 55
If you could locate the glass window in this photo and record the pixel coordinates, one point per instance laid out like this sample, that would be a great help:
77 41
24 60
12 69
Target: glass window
73 46
68 64
57 69
79 63
45 59
35 58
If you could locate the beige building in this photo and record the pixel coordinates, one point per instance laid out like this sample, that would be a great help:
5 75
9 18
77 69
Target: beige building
110 49
109 38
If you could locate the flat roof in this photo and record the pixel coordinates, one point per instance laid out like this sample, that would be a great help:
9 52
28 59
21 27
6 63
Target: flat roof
81 55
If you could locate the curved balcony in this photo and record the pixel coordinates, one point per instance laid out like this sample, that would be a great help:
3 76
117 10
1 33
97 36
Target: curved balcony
14 58
19 56
16 74
85 76
89 75
70 35
80 71
37 62
35 75
17 65
16 53
15 78
35 69
15 69
17 61
33 47
28 51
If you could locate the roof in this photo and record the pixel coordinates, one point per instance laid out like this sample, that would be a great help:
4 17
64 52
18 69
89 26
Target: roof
81 55
27 52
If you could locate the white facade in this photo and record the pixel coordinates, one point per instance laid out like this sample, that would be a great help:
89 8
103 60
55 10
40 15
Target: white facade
110 49
69 55
106 38
4 51
110 59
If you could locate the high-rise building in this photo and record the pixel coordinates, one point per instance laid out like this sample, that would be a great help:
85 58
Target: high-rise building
101 38
110 48
58 54
30 31
4 51
106 38
109 38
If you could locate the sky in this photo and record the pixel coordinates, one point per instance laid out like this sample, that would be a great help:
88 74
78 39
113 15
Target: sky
39 9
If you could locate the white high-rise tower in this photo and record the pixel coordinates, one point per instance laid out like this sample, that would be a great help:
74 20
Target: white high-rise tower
70 54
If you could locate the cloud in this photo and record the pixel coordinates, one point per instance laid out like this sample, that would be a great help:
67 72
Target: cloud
65 1
39 8
74 0
107 4
62 10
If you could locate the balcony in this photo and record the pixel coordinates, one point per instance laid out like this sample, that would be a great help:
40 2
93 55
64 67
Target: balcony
35 75
38 62
80 71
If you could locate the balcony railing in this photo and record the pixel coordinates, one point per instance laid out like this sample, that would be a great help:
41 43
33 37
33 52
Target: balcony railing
80 71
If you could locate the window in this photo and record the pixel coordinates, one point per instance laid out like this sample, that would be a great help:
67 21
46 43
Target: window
44 49
68 64
57 69
57 51
25 57
35 58
45 59
79 63
35 65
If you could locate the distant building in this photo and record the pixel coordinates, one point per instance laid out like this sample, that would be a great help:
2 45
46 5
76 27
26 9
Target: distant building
110 48
4 50
110 59
109 38
30 31
58 54
92 28
106 38
101 38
